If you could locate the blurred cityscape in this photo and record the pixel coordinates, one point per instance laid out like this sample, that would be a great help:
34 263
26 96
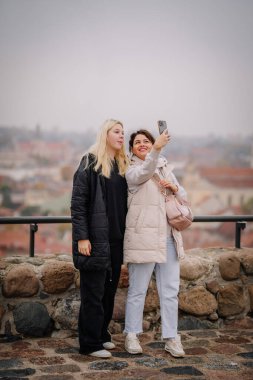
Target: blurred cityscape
37 167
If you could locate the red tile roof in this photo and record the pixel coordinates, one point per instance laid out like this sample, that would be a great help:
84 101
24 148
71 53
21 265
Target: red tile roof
4 211
228 176
14 239
17 239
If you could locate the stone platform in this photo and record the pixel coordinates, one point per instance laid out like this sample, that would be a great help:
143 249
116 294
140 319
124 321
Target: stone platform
224 354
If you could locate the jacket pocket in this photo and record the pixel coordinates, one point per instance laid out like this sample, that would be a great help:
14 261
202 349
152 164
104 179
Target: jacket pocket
98 260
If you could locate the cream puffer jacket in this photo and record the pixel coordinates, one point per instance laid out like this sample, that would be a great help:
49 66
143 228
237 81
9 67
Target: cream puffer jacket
146 224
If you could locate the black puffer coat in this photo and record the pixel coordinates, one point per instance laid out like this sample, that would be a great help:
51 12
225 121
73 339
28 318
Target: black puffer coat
89 217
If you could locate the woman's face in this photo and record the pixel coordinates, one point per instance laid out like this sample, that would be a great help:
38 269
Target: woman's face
141 146
115 138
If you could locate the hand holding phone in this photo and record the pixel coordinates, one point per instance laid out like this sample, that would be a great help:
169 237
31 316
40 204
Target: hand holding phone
163 138
162 126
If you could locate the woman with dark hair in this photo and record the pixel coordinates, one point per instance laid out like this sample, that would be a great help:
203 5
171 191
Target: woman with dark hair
150 244
98 210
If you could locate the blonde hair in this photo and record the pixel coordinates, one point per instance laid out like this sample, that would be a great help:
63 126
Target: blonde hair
99 150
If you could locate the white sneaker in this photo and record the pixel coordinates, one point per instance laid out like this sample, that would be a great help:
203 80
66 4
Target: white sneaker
132 344
174 347
101 354
109 345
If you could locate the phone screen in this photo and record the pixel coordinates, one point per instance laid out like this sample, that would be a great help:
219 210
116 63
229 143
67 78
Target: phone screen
162 126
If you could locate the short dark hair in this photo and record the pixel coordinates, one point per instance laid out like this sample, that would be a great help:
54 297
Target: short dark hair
144 132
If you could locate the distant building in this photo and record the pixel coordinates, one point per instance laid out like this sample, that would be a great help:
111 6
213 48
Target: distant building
211 189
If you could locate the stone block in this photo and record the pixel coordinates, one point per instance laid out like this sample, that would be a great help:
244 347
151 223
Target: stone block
192 268
193 323
229 266
246 259
213 286
66 314
20 281
123 281
152 300
57 276
231 300
119 304
32 319
197 301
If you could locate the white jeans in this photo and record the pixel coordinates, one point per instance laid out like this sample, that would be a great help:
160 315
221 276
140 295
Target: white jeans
167 282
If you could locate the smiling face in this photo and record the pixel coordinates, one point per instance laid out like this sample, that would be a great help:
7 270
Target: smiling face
141 146
115 138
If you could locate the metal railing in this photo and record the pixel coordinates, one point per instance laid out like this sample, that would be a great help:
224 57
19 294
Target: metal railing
239 220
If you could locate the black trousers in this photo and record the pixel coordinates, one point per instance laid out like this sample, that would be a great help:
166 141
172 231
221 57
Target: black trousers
97 291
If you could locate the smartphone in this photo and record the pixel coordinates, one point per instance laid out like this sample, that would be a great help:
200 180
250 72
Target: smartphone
162 126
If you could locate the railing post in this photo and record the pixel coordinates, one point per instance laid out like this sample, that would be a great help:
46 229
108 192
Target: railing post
238 227
33 229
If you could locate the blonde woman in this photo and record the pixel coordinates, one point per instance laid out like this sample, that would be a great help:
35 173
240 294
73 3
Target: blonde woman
98 209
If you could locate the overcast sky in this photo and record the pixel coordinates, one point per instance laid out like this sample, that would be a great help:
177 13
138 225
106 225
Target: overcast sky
74 63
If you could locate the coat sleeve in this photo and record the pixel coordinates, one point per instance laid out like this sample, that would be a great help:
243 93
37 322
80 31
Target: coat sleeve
181 191
138 174
80 203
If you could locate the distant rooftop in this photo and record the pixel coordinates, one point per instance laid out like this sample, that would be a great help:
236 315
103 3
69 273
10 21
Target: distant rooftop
228 176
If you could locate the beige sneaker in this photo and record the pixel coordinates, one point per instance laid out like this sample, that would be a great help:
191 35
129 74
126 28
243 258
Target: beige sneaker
101 354
132 344
109 345
174 347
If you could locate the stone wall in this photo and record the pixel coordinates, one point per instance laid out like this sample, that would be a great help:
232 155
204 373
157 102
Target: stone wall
40 295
